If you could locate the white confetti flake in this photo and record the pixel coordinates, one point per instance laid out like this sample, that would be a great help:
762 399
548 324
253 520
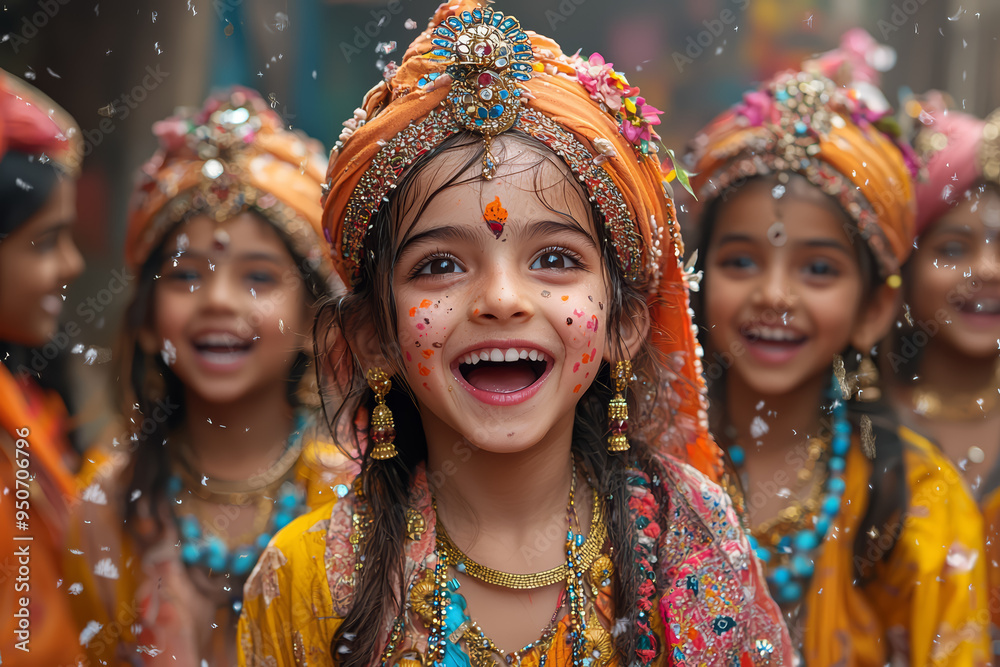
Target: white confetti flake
75 589
93 627
105 568
758 427
95 494
168 353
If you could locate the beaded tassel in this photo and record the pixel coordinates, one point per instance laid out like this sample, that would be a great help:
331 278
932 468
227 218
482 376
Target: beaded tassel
382 429
618 409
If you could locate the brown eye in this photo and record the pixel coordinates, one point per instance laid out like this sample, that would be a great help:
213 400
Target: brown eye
553 260
439 266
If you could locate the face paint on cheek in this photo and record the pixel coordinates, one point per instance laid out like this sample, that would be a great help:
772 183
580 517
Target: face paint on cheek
593 324
427 354
495 216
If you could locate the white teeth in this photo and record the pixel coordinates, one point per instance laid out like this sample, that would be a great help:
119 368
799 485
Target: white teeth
219 339
988 306
774 334
497 355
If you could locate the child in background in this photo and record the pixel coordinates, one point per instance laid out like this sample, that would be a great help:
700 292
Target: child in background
871 543
39 164
220 395
521 348
944 357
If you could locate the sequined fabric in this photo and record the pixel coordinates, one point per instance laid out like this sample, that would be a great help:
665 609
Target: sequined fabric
726 619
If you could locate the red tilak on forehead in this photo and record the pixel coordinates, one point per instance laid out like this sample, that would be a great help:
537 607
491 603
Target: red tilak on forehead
495 215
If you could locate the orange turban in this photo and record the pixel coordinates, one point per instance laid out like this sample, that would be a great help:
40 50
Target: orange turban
473 69
804 122
231 156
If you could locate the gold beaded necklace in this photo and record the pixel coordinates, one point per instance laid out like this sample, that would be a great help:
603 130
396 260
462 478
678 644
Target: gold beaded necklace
589 552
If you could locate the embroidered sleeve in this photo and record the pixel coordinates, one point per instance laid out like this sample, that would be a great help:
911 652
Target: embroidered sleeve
715 607
287 617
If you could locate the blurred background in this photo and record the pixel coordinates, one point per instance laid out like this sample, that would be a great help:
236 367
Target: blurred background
120 66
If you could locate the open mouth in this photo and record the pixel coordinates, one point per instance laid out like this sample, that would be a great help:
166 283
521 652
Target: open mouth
773 344
503 371
773 335
222 348
982 306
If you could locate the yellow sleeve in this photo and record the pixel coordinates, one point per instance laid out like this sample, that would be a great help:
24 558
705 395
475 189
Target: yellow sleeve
287 616
932 592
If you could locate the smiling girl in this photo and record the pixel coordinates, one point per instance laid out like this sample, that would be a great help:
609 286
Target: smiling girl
946 358
223 448
863 525
517 337
39 163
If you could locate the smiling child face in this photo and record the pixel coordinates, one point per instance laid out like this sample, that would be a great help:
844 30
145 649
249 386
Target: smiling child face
501 301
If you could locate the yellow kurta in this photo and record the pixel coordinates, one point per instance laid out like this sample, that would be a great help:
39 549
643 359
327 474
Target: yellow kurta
710 606
990 506
927 603
146 601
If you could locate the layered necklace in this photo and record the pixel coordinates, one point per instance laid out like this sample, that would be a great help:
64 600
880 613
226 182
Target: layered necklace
274 496
436 599
787 544
960 407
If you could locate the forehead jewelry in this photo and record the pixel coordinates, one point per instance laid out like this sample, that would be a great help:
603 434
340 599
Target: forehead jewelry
776 233
488 56
220 239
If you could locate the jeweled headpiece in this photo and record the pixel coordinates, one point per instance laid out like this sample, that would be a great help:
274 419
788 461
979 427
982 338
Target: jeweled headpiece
487 54
834 134
232 155
474 70
959 150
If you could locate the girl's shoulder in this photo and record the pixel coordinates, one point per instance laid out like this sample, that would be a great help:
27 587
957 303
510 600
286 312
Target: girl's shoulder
942 523
713 599
324 467
289 616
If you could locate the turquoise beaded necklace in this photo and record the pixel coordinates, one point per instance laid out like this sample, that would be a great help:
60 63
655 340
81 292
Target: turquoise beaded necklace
790 562
203 548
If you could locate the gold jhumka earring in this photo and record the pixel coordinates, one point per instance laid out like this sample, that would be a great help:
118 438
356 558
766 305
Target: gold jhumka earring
618 408
382 428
